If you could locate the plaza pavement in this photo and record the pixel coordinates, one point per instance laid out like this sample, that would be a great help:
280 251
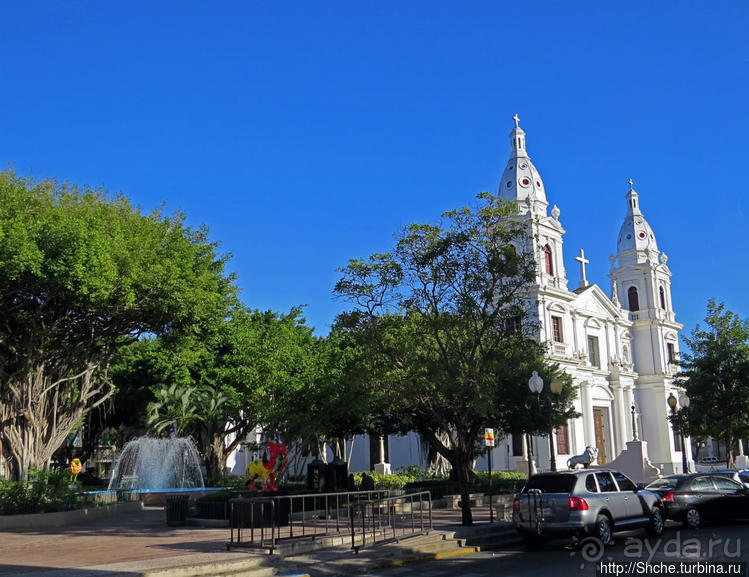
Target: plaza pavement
137 543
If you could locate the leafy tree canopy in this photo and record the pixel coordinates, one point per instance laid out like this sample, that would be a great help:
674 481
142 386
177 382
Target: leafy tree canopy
82 274
715 378
442 323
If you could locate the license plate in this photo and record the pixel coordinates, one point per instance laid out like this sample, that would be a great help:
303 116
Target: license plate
544 512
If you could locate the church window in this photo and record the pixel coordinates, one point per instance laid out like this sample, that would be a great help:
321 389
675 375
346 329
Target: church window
525 182
594 357
671 352
634 303
556 329
514 324
663 297
509 183
563 440
548 260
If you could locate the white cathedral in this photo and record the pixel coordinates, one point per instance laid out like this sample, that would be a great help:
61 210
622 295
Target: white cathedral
619 349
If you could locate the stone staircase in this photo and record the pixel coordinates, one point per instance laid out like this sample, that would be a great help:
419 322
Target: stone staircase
250 566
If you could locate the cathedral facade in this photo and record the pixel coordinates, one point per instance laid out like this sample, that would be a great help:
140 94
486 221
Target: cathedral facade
619 345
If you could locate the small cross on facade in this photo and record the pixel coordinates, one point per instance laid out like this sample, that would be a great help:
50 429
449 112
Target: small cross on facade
517 121
583 261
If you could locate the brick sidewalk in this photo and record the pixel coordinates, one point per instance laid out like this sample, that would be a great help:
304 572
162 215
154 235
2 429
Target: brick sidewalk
134 540
132 537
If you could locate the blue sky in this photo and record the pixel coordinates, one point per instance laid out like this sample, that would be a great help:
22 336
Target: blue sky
305 133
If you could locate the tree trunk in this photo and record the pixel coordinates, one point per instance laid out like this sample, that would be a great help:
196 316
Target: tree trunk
729 452
463 467
39 412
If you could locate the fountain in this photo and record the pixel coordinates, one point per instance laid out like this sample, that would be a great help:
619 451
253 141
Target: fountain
149 465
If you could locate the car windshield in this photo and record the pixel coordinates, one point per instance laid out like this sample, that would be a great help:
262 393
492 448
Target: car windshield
551 483
664 484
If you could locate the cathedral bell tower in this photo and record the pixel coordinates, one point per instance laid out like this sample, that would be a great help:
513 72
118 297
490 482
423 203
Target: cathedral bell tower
641 282
521 183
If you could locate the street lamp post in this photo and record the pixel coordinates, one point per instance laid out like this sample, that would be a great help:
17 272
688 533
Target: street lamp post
536 385
683 401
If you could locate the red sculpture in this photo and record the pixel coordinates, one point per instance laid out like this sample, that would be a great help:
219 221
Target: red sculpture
269 467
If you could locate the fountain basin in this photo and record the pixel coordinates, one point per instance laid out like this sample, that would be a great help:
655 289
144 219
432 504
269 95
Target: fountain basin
150 498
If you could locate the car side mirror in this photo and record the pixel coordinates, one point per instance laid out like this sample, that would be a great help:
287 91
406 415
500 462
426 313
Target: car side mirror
639 487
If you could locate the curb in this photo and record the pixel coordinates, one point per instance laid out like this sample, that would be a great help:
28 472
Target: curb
66 518
510 540
422 558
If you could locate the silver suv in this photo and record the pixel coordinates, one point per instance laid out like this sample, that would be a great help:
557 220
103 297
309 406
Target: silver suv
586 502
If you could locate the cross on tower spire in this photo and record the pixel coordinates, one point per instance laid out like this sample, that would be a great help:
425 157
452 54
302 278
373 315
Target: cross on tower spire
583 261
517 121
631 183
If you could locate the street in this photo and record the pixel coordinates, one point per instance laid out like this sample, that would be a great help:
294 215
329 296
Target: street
633 553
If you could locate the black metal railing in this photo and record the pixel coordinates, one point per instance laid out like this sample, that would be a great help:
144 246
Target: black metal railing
367 516
390 519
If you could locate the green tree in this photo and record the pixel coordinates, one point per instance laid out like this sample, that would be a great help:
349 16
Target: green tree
442 321
716 381
253 368
82 275
176 408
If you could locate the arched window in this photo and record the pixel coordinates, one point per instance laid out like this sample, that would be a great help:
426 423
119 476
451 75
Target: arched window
548 260
634 304
663 298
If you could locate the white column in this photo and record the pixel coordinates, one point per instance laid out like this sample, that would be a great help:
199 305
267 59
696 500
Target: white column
587 404
621 419
574 334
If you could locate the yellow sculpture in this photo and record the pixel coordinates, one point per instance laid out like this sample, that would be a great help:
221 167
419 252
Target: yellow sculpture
75 468
269 467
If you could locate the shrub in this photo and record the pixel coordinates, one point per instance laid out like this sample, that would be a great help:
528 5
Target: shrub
42 493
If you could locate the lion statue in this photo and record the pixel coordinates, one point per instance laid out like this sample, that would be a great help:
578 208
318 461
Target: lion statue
589 456
269 467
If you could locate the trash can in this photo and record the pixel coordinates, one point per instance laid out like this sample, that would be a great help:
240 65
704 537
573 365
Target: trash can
336 478
316 476
176 509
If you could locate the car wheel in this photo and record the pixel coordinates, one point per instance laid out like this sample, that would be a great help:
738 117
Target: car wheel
655 527
602 529
692 518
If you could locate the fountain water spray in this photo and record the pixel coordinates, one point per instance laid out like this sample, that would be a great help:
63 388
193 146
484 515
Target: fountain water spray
150 464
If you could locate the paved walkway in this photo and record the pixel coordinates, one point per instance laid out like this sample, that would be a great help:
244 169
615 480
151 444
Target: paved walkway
132 543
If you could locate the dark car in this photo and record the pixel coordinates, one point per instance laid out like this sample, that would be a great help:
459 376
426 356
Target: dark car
739 475
699 497
588 502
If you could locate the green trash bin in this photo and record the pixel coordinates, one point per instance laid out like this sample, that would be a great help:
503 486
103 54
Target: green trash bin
176 509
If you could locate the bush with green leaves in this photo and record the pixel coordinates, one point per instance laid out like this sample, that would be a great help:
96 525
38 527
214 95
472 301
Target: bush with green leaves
42 493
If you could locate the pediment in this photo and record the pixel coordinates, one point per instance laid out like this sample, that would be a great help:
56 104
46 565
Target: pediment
594 303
